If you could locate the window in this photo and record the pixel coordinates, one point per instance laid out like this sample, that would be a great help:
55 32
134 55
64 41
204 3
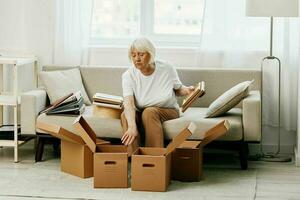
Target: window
169 21
115 19
176 17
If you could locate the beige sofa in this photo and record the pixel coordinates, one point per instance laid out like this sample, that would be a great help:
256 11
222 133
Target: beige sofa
244 119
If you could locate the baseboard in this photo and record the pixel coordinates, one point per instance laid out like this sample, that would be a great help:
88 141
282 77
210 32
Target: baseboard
297 157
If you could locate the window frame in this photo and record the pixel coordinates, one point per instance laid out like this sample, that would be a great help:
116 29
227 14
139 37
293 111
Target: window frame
146 27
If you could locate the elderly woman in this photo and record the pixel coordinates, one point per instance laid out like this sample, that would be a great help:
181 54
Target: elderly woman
150 88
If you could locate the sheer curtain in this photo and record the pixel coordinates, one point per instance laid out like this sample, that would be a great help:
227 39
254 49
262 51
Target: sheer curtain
288 49
230 39
71 33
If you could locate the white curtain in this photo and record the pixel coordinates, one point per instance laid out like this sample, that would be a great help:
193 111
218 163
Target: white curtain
72 27
288 50
230 39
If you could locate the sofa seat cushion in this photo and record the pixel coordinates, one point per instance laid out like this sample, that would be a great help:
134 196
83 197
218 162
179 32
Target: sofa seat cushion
111 128
103 127
197 115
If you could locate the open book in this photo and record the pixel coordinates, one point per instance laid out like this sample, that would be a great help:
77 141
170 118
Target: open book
198 92
71 104
69 112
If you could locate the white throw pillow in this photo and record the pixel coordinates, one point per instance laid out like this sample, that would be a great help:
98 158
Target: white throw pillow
62 82
228 99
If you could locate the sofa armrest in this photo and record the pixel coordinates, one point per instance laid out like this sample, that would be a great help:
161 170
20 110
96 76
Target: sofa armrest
252 116
32 102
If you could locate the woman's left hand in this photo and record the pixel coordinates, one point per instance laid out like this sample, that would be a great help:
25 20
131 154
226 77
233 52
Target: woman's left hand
184 90
190 89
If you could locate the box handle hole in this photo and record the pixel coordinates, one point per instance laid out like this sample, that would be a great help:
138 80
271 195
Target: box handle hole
110 162
185 157
148 165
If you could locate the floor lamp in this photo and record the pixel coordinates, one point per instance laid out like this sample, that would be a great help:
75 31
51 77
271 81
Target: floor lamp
272 8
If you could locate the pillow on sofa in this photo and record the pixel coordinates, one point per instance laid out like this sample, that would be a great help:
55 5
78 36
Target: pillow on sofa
62 82
228 99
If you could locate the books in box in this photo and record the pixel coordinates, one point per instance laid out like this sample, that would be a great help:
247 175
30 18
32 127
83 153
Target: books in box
107 100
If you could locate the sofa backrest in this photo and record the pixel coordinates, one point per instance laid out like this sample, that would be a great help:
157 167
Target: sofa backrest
217 80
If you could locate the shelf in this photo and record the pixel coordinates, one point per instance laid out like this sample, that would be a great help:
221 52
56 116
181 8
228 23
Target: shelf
16 60
13 98
10 100
9 143
22 139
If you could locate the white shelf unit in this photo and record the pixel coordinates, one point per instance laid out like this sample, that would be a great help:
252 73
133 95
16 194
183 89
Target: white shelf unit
12 98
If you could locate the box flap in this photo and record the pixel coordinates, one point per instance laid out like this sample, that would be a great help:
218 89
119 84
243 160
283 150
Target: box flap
189 144
112 148
59 132
181 137
215 132
100 141
86 133
52 129
150 151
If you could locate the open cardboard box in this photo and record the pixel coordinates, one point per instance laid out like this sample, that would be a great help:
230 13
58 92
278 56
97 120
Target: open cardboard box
110 161
151 167
76 157
187 158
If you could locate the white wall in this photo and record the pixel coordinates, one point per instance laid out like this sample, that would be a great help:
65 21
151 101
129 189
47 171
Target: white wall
297 148
27 27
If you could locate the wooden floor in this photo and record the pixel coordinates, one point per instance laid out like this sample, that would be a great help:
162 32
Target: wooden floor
222 180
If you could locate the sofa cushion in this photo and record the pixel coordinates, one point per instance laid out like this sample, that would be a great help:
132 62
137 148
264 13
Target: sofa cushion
197 115
228 99
62 82
104 127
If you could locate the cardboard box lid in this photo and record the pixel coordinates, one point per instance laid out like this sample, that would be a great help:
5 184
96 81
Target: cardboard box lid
189 144
215 132
188 131
59 132
87 133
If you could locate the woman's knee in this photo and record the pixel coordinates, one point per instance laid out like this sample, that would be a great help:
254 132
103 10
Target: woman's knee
149 113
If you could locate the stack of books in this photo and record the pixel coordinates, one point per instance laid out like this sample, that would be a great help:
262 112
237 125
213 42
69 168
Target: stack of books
108 101
71 104
198 92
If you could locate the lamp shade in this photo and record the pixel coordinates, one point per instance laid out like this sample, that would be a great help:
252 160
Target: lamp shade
272 8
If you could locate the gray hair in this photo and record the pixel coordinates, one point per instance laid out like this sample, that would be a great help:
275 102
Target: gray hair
142 44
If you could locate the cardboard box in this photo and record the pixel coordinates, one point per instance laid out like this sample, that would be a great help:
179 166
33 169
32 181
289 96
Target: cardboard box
187 159
106 112
76 157
110 161
151 167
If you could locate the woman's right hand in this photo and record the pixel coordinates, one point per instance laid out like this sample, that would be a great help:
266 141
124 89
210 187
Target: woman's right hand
129 136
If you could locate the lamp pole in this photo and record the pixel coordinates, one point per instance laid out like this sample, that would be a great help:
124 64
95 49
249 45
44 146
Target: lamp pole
273 157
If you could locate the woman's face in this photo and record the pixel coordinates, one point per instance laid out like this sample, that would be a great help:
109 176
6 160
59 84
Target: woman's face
140 59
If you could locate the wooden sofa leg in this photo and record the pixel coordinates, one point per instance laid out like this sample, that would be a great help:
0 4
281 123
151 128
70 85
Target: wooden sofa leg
243 154
56 146
40 149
